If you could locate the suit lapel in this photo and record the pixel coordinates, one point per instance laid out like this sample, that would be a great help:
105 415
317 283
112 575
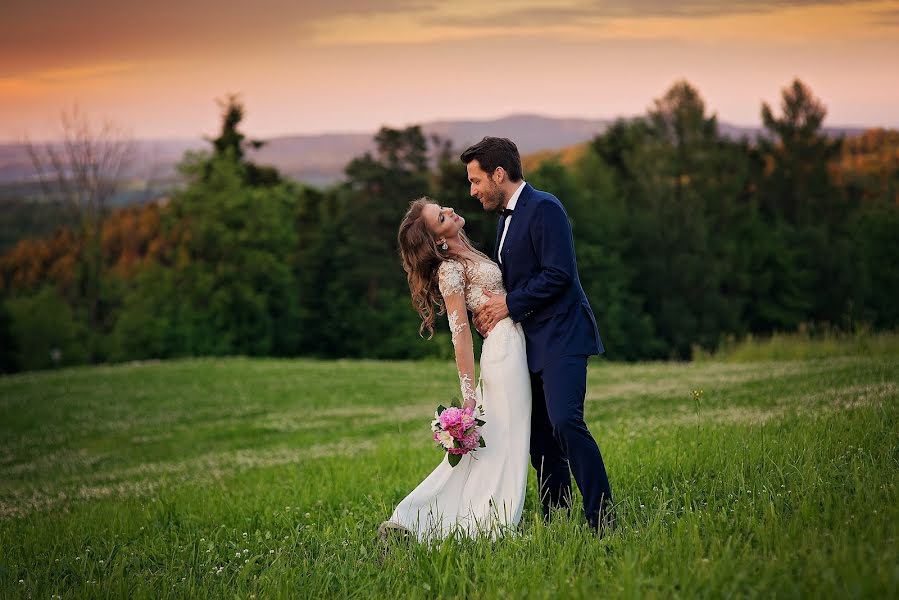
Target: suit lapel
499 235
519 220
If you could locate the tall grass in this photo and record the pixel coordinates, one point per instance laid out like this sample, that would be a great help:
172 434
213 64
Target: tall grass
807 343
267 478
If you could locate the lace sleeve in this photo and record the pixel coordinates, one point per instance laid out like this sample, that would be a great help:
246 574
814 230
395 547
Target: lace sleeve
451 280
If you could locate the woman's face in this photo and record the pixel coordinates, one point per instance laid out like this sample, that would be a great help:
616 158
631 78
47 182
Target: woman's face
442 221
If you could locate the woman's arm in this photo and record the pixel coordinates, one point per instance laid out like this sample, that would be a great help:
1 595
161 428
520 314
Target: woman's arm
451 279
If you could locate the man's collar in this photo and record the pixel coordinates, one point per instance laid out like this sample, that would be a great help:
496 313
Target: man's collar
514 199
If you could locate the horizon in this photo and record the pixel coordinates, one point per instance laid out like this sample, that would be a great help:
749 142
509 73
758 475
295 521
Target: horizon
348 67
294 134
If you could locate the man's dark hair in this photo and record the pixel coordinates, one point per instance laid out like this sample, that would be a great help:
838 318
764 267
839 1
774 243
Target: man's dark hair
493 152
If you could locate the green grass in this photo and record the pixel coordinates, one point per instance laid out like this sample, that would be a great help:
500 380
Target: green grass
268 478
808 342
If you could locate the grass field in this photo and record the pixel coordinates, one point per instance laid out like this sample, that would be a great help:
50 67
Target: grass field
246 478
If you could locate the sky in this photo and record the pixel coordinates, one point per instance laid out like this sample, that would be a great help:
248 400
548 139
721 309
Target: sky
157 68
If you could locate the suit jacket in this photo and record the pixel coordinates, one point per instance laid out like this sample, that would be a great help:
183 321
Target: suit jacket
543 289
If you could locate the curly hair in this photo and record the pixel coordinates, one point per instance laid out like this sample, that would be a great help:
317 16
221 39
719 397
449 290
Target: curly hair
421 258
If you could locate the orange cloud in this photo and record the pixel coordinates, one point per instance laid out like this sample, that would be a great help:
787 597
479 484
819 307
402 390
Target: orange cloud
11 87
80 73
49 80
698 22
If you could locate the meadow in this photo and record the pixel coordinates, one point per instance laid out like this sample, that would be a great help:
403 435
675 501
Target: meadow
261 478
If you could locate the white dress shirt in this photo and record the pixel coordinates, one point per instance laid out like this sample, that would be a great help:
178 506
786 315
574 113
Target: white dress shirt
511 206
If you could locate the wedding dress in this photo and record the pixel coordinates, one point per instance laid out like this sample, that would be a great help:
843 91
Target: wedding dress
484 493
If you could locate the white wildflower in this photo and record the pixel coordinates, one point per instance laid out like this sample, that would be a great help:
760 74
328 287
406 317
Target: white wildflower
445 438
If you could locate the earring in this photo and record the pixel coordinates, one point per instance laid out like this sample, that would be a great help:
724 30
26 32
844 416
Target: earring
444 246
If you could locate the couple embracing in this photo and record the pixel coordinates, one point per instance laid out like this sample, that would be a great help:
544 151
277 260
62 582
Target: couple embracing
538 331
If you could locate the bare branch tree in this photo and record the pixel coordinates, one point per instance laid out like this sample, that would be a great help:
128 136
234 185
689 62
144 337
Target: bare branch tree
87 167
85 170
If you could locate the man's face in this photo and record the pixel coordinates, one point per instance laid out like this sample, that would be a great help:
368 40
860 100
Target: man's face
484 187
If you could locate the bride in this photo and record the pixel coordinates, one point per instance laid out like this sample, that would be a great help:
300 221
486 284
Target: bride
484 493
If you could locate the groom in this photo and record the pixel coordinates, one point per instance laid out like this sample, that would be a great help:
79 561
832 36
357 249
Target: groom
535 251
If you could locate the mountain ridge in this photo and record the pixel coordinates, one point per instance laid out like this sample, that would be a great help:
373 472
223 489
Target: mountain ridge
320 159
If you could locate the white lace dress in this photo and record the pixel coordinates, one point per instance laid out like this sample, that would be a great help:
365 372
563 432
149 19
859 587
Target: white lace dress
484 493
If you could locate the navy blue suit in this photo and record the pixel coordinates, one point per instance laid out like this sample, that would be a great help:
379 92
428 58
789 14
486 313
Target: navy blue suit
544 294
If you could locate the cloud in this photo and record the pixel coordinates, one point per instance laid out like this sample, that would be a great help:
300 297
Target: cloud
61 33
703 8
46 81
554 13
700 22
35 35
83 72
888 17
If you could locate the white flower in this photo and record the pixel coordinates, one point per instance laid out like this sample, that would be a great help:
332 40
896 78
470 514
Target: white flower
445 438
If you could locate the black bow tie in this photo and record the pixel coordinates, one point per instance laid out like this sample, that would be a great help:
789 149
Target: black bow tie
507 211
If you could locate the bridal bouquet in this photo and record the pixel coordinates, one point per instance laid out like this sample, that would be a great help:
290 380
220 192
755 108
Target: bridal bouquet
458 430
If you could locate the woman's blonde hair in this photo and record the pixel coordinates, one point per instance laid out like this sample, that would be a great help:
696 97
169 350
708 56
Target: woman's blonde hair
421 258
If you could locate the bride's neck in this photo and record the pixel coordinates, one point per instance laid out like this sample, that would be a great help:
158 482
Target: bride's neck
456 246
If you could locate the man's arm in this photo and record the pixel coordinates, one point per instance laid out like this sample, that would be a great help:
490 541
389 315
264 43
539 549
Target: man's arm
551 236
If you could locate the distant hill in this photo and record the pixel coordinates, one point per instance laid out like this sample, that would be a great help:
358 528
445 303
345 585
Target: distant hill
320 159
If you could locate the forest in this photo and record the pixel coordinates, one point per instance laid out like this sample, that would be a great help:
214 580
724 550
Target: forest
686 239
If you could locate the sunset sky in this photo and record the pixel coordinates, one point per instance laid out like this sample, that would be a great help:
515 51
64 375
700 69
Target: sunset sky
351 65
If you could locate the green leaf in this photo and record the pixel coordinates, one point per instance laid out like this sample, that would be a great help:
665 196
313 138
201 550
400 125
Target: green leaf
480 423
455 403
453 459
440 409
482 443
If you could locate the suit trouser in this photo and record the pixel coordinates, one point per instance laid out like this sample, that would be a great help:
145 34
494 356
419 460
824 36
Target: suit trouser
559 438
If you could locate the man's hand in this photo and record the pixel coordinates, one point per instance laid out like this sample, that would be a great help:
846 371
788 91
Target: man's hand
494 311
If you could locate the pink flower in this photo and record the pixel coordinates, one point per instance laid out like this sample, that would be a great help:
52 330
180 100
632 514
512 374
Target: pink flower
470 441
451 420
456 431
456 421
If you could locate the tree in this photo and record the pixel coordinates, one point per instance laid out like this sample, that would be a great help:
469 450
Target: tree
798 186
45 331
232 254
689 138
232 143
601 224
689 177
85 171
382 187
8 344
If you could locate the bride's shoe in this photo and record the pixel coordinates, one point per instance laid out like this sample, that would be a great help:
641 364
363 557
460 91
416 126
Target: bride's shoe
389 530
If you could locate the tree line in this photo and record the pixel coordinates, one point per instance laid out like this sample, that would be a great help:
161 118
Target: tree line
684 237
